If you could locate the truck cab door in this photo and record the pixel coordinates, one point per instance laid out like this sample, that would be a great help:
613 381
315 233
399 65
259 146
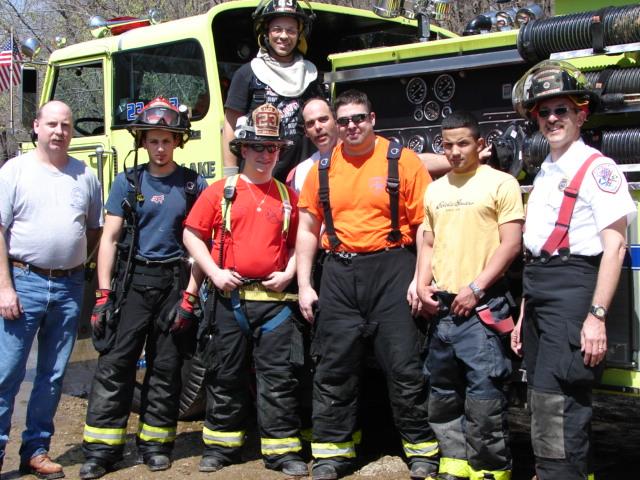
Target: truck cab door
81 85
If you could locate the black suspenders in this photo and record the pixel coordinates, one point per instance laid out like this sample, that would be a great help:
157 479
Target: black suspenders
393 189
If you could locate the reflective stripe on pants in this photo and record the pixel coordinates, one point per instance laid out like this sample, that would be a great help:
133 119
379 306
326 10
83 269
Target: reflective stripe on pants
280 446
328 450
424 449
108 436
224 439
149 433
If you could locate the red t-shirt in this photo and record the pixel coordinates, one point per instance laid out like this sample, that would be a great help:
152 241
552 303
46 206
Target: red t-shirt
255 247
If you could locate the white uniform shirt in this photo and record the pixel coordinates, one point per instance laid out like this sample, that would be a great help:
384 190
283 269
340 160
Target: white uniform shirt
603 198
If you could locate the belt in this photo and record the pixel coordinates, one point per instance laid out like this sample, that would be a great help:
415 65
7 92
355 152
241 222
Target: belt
346 257
258 293
530 259
48 272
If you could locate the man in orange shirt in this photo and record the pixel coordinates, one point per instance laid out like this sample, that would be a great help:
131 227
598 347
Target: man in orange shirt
369 196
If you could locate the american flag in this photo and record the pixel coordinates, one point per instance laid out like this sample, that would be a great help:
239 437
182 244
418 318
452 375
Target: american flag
9 57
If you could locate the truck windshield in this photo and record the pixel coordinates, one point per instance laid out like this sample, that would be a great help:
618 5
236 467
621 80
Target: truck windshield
174 71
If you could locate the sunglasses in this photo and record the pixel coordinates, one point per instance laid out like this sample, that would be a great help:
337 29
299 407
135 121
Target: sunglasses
160 115
357 119
257 147
558 112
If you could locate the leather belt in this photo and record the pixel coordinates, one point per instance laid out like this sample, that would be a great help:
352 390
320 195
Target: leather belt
48 272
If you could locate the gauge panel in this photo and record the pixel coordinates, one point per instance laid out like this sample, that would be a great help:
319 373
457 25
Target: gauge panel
444 87
416 90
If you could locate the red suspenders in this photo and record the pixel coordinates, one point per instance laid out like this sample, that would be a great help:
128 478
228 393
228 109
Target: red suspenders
559 238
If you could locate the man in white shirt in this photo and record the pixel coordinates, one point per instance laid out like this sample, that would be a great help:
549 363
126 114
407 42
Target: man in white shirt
575 227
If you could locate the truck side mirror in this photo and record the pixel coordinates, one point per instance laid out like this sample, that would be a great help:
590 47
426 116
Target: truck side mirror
28 96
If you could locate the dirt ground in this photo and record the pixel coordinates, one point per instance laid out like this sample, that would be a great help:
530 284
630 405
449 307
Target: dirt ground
616 431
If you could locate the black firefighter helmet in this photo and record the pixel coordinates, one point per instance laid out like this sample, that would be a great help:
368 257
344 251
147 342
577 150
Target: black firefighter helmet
263 126
550 79
160 114
267 10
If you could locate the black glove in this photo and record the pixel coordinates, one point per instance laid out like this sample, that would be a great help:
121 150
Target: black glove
102 312
187 311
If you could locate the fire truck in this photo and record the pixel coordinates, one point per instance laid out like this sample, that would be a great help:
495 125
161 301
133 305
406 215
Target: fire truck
414 71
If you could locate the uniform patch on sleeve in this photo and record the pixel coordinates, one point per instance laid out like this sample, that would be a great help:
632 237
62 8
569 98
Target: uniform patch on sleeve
607 177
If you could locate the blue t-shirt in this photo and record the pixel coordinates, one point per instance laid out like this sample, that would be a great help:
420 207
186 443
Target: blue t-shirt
160 215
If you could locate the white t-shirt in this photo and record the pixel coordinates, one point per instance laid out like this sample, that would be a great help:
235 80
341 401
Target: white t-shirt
45 212
602 199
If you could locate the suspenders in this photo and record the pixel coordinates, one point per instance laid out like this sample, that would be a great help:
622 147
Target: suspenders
559 238
393 189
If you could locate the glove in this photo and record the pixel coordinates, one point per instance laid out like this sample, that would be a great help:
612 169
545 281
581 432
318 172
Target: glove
185 312
102 311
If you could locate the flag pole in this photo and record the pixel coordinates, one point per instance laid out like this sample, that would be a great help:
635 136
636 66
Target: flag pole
11 126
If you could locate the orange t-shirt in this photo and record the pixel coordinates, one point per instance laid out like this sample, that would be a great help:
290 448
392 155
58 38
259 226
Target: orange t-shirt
359 199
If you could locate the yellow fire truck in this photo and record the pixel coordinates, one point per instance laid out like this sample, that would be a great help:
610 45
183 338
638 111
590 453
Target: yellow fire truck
415 72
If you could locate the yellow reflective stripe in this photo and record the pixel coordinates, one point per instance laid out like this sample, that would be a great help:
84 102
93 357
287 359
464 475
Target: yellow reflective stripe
591 476
108 436
497 474
455 466
328 450
424 449
279 446
306 434
286 202
256 292
149 433
226 204
224 439
357 437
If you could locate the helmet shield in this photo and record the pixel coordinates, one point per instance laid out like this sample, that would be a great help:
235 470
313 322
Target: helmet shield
550 79
160 114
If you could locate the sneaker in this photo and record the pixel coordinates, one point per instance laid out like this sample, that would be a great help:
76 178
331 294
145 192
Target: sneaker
42 467
295 468
158 462
210 464
92 468
324 471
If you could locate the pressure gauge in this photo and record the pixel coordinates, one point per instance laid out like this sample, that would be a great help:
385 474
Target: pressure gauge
416 90
436 145
444 87
446 111
416 143
417 114
431 110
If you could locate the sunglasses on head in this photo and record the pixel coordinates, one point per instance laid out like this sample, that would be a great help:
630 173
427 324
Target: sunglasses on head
558 112
160 115
357 119
258 147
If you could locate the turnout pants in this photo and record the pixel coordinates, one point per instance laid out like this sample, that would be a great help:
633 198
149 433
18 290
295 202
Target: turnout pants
467 365
276 349
362 302
558 296
143 321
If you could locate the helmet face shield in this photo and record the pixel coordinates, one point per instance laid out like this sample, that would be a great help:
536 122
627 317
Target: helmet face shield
160 116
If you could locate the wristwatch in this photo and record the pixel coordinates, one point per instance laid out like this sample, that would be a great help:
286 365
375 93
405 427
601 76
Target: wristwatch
598 311
477 291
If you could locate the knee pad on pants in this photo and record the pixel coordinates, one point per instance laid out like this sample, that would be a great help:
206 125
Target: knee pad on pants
547 424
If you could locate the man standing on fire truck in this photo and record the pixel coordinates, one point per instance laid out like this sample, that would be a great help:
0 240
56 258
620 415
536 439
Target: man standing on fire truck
143 299
277 75
369 195
574 238
252 313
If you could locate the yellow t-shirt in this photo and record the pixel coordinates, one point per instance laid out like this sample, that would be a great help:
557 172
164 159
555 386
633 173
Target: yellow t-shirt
464 211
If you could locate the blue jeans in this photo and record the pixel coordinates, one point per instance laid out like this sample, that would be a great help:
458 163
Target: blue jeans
51 309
